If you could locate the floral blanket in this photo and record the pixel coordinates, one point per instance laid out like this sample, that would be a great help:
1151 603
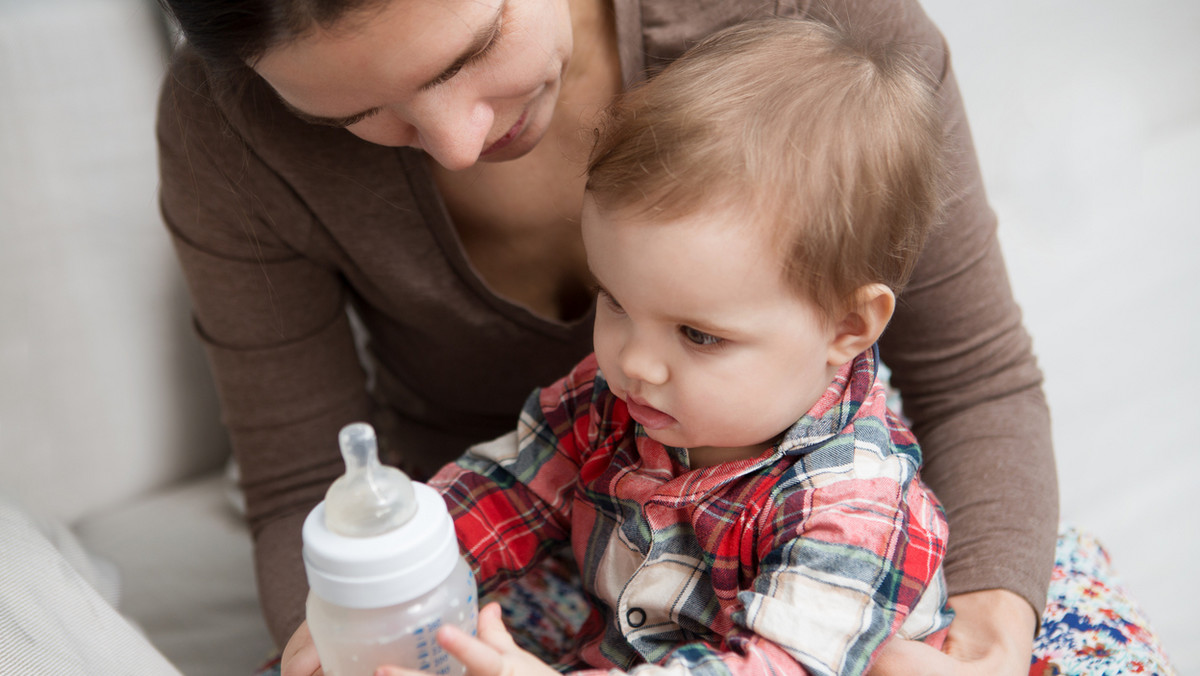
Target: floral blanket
1091 624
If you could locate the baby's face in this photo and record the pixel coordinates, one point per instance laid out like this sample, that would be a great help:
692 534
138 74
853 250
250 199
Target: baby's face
698 333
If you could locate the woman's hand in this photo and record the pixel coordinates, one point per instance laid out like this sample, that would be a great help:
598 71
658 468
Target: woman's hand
300 655
492 654
991 635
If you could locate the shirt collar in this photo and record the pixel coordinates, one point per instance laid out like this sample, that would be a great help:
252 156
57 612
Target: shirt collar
828 418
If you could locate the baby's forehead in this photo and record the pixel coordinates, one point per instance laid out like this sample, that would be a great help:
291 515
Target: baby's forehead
747 215
736 207
775 234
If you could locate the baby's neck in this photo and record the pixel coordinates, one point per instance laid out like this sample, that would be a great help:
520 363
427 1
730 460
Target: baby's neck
707 456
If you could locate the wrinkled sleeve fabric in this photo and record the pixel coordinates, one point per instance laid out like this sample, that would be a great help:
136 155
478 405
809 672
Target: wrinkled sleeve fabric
273 323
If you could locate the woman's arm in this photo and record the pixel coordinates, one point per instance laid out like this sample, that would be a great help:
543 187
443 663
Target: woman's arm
273 323
962 359
956 345
964 364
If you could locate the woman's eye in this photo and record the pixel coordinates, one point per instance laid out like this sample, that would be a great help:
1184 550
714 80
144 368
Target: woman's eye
699 337
474 58
449 74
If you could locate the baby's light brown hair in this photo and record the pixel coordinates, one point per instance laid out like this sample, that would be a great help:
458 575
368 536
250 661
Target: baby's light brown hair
832 139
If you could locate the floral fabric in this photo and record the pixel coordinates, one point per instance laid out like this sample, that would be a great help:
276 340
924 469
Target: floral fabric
1091 625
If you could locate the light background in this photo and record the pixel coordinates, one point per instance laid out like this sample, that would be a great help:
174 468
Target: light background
1086 117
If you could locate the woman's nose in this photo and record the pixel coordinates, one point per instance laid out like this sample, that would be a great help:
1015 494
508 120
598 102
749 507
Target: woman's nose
454 134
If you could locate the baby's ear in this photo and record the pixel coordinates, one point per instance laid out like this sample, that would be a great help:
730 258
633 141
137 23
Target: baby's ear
859 327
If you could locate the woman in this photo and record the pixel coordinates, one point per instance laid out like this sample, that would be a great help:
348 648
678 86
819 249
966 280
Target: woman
421 162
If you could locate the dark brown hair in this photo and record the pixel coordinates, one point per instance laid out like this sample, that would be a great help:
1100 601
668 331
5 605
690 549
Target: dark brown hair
832 139
229 35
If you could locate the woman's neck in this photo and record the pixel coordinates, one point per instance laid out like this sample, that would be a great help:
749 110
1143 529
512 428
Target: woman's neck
593 76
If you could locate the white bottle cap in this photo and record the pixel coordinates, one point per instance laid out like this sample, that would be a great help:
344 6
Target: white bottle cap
382 570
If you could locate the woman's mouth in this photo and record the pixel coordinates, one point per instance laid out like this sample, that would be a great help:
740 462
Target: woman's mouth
649 417
508 137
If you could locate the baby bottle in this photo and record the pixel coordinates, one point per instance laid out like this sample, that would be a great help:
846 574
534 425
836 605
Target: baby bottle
383 569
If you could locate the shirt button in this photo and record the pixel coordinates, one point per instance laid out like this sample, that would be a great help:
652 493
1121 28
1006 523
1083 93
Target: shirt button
636 617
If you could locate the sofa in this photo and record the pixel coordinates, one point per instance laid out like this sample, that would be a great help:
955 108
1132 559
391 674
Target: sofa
109 429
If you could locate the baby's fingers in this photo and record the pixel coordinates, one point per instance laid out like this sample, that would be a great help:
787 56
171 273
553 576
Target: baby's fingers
482 656
478 657
492 630
300 655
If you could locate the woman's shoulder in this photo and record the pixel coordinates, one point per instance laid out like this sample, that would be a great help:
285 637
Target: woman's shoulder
187 95
669 27
201 113
238 104
186 73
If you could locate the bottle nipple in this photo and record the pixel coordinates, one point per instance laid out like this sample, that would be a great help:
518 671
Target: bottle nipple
370 498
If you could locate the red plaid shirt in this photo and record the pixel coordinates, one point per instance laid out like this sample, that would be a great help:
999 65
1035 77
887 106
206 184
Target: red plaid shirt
805 559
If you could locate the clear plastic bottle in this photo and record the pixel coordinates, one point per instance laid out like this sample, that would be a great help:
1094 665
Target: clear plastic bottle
383 567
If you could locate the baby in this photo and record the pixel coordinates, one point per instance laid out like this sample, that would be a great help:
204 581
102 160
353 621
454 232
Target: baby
724 467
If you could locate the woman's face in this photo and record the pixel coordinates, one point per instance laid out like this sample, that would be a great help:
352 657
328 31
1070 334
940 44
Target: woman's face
463 80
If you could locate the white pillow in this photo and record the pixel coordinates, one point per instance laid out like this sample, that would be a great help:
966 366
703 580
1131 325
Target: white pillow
53 620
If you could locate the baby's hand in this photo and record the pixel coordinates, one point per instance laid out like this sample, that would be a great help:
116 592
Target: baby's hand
300 655
493 653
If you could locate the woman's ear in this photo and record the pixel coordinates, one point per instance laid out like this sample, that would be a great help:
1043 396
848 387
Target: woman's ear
860 326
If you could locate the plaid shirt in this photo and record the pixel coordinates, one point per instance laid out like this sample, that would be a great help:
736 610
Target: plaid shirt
805 559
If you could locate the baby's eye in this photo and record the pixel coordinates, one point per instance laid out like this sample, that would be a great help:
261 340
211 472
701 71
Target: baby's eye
699 337
609 301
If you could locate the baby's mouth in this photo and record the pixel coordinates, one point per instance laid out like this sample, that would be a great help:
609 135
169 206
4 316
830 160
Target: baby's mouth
649 417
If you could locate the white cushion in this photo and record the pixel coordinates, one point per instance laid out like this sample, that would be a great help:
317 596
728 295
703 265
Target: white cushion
104 395
184 558
52 620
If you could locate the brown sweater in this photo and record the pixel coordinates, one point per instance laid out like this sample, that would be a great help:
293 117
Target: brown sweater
280 226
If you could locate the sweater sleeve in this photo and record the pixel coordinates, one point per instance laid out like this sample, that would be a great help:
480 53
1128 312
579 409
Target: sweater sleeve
963 361
511 498
273 324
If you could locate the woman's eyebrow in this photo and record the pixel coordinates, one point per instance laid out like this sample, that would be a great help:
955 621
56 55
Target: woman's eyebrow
483 37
